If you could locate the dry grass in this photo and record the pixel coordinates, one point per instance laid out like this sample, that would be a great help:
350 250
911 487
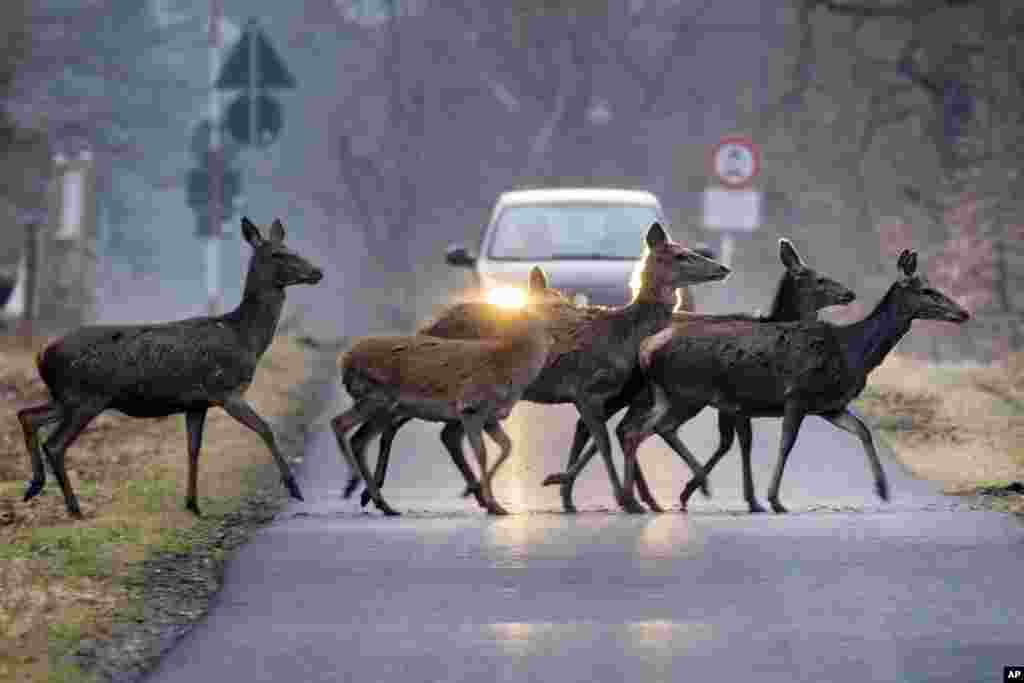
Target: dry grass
60 580
961 426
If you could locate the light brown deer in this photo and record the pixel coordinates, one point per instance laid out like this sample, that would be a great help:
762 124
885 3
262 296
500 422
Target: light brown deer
468 320
472 382
759 369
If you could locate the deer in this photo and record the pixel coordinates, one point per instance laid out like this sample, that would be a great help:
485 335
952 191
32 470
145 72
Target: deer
474 382
750 369
156 370
466 320
595 347
801 292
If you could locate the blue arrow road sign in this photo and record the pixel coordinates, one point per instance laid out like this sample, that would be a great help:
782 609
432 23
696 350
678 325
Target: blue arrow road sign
237 72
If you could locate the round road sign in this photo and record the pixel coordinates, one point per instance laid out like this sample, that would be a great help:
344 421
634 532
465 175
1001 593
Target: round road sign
735 161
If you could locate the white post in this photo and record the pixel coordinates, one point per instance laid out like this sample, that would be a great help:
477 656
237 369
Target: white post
728 246
212 286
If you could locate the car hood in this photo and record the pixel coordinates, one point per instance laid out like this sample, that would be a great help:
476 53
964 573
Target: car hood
603 282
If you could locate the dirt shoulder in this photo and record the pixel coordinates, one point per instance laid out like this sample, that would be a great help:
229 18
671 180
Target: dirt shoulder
962 426
103 598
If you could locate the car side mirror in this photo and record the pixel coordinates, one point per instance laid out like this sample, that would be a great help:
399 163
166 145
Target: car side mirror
457 255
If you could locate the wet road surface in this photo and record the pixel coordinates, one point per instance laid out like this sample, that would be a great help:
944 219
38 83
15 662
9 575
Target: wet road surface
844 588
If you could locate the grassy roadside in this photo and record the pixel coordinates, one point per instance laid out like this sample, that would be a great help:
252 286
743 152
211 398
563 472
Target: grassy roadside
67 587
961 426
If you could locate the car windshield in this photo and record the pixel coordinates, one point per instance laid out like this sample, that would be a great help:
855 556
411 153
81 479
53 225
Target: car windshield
571 231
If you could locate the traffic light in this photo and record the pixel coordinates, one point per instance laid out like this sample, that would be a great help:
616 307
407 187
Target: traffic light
197 191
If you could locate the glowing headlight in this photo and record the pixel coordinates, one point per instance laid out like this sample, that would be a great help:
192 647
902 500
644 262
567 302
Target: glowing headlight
507 297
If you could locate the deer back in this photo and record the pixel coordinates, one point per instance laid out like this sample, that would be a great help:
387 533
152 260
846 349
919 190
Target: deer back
749 365
164 366
446 368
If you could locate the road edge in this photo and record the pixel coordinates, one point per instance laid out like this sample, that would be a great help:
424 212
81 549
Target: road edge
178 589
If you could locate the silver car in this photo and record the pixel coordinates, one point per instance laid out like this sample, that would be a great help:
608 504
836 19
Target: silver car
588 241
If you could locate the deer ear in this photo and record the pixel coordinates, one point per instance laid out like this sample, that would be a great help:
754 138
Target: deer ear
788 254
251 232
656 236
538 280
277 231
911 264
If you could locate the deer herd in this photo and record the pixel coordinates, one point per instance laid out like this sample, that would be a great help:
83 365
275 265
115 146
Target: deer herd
475 361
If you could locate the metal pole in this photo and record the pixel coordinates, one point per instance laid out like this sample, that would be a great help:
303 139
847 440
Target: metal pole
254 83
212 241
30 303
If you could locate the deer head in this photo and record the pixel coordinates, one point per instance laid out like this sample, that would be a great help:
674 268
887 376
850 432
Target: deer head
273 264
538 291
917 299
669 265
813 290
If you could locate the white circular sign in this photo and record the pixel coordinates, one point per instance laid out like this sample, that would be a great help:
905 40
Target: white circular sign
735 161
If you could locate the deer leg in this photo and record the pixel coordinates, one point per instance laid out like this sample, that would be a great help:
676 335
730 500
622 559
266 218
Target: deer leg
846 420
474 433
237 408
32 419
387 438
726 433
792 416
745 434
496 432
194 421
73 422
451 437
593 415
361 412
360 439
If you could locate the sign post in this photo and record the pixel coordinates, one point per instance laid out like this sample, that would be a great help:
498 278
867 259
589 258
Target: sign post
732 206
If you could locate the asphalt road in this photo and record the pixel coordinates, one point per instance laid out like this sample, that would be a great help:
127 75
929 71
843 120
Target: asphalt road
844 588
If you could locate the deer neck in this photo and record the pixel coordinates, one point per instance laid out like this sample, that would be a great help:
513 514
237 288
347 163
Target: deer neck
786 304
257 315
652 308
866 343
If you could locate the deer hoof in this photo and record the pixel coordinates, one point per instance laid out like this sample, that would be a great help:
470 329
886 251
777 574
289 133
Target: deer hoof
705 488
350 487
471 490
554 479
755 507
293 488
388 510
192 506
495 509
34 487
778 507
632 506
653 506
365 499
882 489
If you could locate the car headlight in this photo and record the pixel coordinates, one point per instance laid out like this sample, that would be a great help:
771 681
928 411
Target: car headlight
506 297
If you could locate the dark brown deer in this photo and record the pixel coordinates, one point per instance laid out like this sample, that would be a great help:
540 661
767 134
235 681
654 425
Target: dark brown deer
595 353
595 349
800 294
470 320
472 381
186 366
757 369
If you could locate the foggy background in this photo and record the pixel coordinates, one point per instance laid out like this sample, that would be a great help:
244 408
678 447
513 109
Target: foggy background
882 125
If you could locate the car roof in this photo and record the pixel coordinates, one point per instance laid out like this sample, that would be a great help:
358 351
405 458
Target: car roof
579 194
